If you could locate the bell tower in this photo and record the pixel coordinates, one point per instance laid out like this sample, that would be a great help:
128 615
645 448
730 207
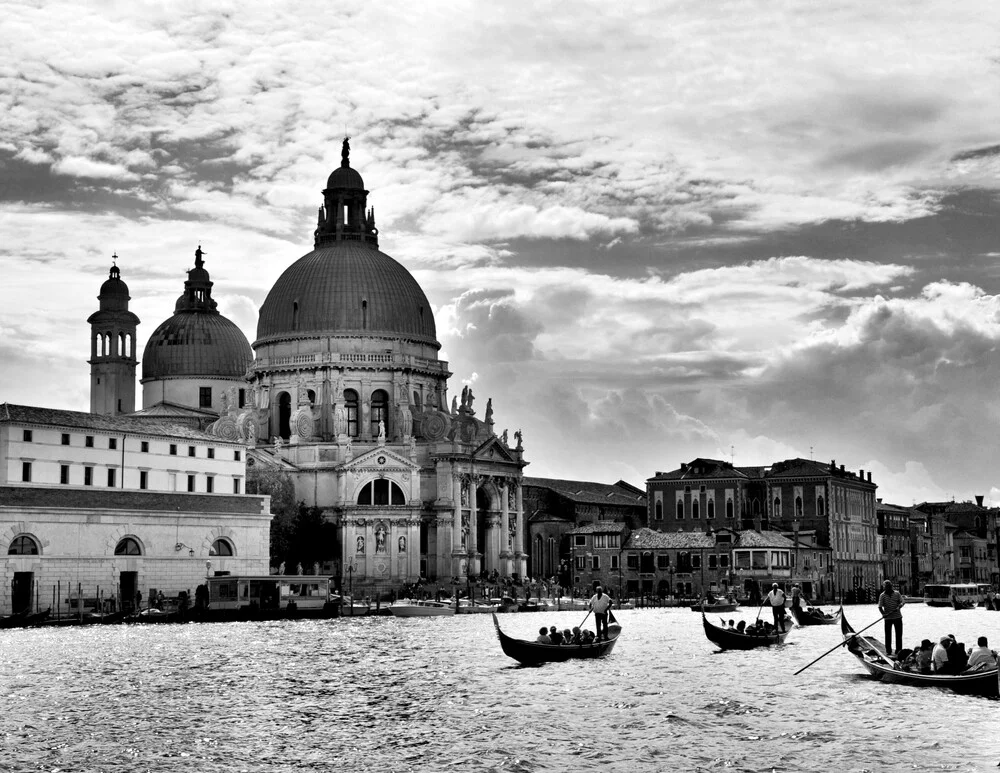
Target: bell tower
112 349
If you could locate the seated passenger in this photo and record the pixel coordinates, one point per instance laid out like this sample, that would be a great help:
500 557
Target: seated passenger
555 635
577 636
923 657
543 636
567 635
982 656
958 657
588 636
741 626
939 655
732 624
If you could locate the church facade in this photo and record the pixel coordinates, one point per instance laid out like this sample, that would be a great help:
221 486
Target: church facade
348 396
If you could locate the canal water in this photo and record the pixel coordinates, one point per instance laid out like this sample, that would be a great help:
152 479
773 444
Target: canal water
386 694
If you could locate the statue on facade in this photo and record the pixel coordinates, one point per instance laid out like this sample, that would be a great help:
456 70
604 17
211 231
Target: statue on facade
380 539
298 569
465 531
381 431
465 397
360 544
517 437
465 495
402 544
404 420
472 397
277 444
454 405
503 437
281 568
489 413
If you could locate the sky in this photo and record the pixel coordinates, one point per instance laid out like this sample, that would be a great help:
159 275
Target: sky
650 232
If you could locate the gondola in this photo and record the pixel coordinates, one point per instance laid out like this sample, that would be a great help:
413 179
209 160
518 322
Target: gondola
728 639
813 616
23 619
962 604
871 654
532 653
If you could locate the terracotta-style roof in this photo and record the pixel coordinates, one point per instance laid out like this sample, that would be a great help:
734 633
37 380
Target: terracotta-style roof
588 492
601 527
763 539
129 500
11 413
648 539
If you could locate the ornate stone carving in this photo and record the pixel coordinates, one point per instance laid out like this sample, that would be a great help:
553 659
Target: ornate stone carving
434 425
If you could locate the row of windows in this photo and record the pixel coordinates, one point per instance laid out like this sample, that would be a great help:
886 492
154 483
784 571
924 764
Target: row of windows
112 478
205 397
710 508
24 545
600 540
88 442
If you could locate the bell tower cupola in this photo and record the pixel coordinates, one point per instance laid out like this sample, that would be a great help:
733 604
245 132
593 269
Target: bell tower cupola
344 216
112 349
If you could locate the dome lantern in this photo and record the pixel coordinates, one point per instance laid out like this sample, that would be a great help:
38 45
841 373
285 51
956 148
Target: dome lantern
344 215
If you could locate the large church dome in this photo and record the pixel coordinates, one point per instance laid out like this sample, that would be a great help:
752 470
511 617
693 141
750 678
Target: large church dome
197 340
346 285
346 288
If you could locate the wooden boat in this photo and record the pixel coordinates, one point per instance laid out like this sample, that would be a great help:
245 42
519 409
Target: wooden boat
813 616
533 653
728 639
25 619
871 654
719 605
962 603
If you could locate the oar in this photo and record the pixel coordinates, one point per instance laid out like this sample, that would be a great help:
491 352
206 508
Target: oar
838 645
585 618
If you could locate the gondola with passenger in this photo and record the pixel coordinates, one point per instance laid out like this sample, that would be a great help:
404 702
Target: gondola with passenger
813 616
732 639
872 655
531 653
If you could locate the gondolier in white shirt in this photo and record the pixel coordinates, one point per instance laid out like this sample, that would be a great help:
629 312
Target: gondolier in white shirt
776 598
600 603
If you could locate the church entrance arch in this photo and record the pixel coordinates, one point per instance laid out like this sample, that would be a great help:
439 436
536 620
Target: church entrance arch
484 503
284 415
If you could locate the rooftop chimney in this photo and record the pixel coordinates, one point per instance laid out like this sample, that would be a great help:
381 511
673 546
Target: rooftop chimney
833 464
684 467
979 499
869 476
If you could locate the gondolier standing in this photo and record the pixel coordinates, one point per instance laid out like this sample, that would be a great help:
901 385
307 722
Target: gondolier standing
600 603
889 604
776 598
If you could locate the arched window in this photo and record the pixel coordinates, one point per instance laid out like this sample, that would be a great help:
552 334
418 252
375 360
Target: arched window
284 415
729 508
351 405
416 400
128 546
777 507
222 547
312 396
121 345
820 506
659 510
128 345
695 509
295 315
23 546
379 412
381 492
798 507
710 506
680 511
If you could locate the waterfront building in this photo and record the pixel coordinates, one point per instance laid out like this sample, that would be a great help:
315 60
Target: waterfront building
102 507
554 507
921 551
974 541
596 555
831 506
896 545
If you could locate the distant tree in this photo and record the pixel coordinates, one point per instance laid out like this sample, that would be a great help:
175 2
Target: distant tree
285 509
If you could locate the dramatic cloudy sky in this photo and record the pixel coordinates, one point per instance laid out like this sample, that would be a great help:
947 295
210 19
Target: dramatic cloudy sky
650 231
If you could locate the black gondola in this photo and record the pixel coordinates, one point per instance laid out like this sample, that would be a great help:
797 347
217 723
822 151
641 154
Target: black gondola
813 616
531 653
729 639
871 654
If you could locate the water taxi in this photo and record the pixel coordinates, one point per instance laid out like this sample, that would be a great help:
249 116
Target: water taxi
415 608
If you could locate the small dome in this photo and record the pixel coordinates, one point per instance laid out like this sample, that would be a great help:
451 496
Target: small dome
114 287
346 288
345 177
196 344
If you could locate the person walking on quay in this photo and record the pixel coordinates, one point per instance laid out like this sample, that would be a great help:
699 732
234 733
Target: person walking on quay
776 598
890 604
600 603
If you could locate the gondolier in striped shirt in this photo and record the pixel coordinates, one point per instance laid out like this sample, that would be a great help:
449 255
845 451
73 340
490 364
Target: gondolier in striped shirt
890 604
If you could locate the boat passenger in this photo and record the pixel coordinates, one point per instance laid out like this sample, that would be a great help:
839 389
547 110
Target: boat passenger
577 636
741 626
555 635
543 636
958 657
982 656
732 624
922 656
939 655
567 635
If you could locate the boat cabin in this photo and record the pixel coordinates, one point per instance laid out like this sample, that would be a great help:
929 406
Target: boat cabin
268 591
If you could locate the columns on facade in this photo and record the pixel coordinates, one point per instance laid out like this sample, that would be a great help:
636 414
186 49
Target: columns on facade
505 554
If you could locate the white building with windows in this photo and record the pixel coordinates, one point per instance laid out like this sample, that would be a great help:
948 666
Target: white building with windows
101 506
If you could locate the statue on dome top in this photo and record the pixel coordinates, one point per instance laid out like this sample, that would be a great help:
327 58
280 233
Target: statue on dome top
345 152
197 257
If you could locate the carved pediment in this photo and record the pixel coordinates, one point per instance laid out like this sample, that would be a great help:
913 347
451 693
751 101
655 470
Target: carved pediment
381 458
493 451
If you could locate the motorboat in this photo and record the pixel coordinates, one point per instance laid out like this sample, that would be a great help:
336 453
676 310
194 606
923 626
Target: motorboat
421 608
